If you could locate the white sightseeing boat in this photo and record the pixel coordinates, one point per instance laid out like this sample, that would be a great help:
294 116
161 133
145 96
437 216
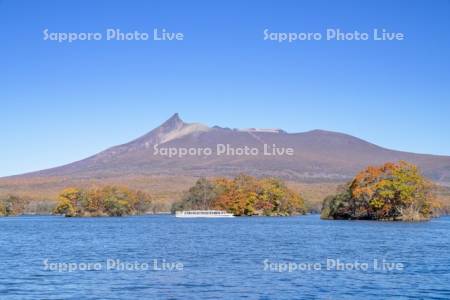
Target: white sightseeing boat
203 214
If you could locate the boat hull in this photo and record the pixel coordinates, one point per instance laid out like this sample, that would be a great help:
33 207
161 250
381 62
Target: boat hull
203 214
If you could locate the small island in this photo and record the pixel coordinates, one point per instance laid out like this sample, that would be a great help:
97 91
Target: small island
110 201
391 192
13 205
243 195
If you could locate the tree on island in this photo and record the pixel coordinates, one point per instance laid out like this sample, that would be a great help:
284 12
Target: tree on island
199 197
393 191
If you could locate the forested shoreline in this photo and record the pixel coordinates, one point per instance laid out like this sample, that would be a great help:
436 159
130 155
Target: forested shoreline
390 192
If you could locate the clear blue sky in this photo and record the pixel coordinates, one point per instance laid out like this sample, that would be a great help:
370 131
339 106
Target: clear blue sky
63 102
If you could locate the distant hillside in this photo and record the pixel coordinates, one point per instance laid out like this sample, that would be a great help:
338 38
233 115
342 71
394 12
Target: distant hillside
318 156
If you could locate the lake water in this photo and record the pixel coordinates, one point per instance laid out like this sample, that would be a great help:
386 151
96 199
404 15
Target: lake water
222 258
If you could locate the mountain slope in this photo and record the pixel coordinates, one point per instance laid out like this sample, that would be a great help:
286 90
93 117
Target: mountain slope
318 155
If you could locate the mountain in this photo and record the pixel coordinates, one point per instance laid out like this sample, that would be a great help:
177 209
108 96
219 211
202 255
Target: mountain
318 155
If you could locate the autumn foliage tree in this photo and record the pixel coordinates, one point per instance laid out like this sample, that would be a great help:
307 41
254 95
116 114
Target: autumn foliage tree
393 191
68 202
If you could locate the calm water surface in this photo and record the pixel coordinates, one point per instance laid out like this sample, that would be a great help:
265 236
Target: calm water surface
222 258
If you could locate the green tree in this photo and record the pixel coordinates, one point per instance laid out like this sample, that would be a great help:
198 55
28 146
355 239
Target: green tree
200 196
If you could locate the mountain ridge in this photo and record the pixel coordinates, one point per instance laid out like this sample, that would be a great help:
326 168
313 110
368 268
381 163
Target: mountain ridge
319 155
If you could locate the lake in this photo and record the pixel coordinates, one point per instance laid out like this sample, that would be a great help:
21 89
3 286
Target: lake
163 257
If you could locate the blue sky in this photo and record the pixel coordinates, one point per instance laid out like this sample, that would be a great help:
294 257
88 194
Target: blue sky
62 102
